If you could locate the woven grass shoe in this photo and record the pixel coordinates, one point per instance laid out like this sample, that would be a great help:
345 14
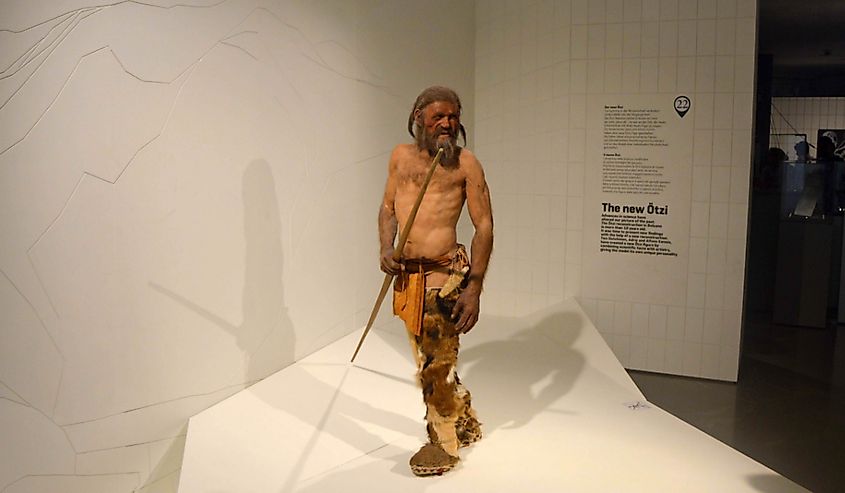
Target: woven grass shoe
432 460
468 430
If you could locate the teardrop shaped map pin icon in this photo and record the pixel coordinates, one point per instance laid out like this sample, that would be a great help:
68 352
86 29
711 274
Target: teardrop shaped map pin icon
682 105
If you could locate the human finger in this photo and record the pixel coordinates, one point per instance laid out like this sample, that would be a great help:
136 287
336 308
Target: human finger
457 310
472 319
390 266
464 320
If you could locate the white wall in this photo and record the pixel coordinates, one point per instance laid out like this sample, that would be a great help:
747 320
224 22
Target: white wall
538 62
188 195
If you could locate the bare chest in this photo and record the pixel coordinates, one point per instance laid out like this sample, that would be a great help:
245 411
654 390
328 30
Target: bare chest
444 180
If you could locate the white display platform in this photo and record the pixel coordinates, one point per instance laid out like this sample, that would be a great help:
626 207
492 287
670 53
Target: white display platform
560 414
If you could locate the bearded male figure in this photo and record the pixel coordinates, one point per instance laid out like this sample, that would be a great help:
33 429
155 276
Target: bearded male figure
438 286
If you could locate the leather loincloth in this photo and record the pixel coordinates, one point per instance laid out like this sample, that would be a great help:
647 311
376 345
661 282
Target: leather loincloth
409 287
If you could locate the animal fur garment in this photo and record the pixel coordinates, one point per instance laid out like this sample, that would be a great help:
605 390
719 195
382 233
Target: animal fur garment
436 352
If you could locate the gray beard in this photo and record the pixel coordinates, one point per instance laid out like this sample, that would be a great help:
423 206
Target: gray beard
451 151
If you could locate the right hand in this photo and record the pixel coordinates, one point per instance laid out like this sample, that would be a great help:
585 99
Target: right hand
388 265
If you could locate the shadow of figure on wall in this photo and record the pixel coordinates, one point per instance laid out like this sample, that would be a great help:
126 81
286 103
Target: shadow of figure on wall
266 334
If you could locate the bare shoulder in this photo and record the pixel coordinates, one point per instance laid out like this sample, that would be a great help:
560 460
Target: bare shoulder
403 151
471 165
468 159
401 154
398 156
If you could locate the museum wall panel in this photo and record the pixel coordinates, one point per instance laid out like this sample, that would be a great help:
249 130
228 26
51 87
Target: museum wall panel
188 199
544 71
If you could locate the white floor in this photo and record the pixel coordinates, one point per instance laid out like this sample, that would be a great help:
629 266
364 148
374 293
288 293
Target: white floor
560 414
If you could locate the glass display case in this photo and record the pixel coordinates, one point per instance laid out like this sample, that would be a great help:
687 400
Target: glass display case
810 247
812 189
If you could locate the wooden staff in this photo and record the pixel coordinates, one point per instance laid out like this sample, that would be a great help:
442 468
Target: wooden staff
397 254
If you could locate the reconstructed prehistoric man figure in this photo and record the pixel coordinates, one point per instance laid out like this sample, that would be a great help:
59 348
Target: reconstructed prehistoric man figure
438 285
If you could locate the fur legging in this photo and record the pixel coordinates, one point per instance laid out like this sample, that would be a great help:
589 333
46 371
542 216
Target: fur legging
436 352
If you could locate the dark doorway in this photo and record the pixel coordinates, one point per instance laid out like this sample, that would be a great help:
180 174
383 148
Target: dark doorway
794 262
789 359
786 409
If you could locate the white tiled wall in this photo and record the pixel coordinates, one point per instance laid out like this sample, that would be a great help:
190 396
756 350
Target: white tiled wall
188 199
536 62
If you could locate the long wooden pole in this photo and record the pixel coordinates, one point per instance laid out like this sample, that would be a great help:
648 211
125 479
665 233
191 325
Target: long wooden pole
397 253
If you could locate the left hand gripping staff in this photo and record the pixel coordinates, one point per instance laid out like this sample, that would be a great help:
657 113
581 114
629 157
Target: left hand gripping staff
397 253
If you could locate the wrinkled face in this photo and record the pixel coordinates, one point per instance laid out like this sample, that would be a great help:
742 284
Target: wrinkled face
440 122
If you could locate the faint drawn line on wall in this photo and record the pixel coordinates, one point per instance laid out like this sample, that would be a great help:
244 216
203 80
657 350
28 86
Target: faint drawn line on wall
44 233
315 57
49 335
26 55
134 156
35 26
159 480
325 185
91 175
117 178
20 402
28 302
234 388
190 67
67 437
74 475
283 23
53 43
42 285
78 18
58 387
187 72
113 4
241 48
150 466
46 110
351 54
228 40
52 47
140 444
239 33
173 6
337 72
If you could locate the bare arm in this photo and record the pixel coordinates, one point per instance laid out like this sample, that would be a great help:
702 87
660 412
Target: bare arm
387 223
481 213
